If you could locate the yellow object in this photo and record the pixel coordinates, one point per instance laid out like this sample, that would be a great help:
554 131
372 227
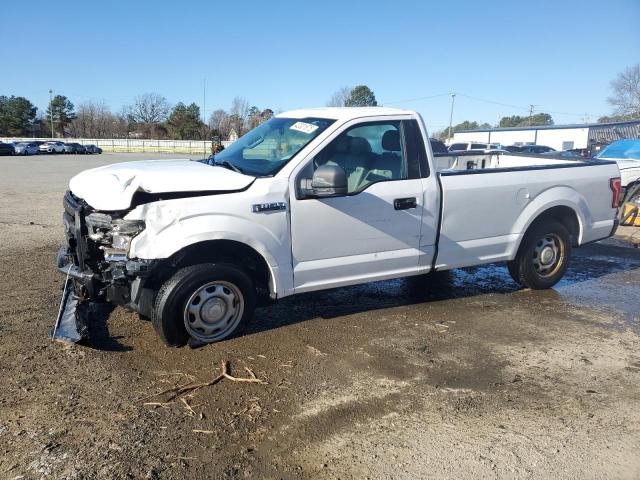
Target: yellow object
634 218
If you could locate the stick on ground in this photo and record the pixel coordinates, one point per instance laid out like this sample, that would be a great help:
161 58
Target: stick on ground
181 390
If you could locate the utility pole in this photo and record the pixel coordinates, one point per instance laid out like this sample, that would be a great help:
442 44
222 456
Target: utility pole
204 116
51 109
531 107
453 99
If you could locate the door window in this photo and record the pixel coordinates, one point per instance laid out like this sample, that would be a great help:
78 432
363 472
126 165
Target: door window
368 153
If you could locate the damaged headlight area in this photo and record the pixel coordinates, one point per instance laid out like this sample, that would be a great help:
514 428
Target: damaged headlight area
114 236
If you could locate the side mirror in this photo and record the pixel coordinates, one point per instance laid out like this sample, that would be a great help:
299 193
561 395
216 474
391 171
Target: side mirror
327 181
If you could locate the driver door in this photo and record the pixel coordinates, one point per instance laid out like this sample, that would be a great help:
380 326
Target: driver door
373 231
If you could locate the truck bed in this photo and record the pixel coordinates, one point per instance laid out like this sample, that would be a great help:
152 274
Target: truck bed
475 161
489 200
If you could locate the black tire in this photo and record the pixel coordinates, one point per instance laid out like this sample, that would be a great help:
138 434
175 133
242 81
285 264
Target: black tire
168 314
528 268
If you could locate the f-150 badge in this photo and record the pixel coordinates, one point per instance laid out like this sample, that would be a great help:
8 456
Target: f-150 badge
269 207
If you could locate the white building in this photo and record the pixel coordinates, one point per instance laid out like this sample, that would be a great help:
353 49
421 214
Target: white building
233 135
559 137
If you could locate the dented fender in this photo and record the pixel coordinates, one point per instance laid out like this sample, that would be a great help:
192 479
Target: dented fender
173 225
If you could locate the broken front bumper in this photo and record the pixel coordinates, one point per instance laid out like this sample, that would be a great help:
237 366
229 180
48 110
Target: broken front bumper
65 265
92 277
120 282
71 324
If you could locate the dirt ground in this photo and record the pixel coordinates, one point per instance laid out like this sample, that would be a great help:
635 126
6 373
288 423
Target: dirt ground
462 375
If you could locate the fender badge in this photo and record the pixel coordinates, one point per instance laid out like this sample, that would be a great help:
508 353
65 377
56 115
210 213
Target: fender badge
268 207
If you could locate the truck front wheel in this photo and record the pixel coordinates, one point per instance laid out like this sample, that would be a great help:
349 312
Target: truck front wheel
543 256
209 302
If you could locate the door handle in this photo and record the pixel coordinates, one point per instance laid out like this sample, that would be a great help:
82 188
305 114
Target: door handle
405 203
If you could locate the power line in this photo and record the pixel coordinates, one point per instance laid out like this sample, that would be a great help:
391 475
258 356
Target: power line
527 108
572 114
517 107
524 108
407 100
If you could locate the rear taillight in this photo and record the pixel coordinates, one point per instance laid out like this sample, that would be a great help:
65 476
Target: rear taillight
616 188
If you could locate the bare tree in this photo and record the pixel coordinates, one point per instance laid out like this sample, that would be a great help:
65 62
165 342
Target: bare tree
238 115
239 107
150 108
125 122
339 97
94 120
121 126
626 92
218 121
81 125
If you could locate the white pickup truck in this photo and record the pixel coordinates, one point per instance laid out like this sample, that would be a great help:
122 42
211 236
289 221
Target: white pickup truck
316 199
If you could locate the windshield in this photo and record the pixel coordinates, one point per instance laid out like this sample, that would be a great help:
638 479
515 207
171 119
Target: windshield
268 147
627 149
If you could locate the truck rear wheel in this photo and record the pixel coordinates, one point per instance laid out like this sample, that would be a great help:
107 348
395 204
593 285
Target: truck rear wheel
209 302
543 256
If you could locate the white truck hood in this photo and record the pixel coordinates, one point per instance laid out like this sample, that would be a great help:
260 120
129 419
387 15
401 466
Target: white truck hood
112 187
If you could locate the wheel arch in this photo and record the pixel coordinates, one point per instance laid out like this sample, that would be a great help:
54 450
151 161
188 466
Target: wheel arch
563 214
561 203
229 251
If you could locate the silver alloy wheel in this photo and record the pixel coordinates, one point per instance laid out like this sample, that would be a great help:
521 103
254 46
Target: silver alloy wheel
547 254
213 311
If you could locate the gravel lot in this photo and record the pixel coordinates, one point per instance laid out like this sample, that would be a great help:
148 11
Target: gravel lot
461 375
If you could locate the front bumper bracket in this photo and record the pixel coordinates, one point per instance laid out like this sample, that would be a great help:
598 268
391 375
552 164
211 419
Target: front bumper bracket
71 324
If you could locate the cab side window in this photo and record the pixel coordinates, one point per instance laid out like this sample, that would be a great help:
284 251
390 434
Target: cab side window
368 153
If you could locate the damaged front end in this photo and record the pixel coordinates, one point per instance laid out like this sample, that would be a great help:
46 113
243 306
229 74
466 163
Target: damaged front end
97 267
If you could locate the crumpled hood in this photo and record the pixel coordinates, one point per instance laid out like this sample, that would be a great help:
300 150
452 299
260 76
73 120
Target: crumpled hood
112 187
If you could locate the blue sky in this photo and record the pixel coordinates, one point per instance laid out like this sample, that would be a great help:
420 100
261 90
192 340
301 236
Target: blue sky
558 55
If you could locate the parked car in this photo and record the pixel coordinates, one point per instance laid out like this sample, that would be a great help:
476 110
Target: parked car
474 146
92 149
74 148
189 244
6 149
581 152
514 148
438 146
52 147
536 149
626 153
27 148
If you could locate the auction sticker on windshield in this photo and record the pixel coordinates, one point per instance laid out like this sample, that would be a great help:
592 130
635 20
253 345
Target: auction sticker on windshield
304 127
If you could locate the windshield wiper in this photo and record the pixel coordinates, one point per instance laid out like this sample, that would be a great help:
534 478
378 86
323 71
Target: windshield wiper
228 165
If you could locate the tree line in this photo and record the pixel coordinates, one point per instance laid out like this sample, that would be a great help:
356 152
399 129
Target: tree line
149 116
510 121
152 116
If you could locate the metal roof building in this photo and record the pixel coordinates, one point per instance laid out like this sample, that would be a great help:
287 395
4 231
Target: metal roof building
560 137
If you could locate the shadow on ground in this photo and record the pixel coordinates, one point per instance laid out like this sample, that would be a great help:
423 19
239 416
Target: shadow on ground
588 263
